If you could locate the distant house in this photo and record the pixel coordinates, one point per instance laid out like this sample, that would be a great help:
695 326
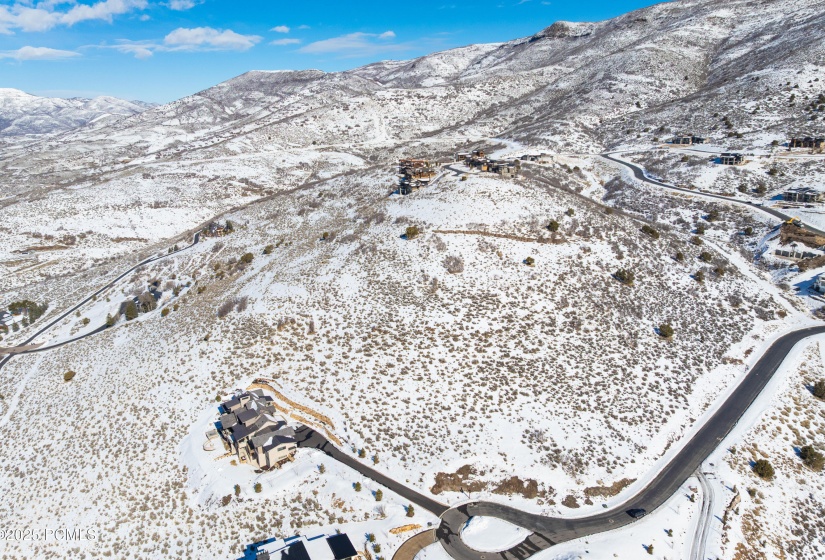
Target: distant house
803 194
731 158
687 140
537 158
321 547
819 283
807 142
253 430
6 319
414 173
505 168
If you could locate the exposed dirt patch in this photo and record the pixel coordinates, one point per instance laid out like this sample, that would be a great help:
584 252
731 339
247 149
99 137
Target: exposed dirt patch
514 485
458 481
570 502
125 239
807 264
608 491
790 233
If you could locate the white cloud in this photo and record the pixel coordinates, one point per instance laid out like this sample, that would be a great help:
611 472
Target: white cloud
141 51
43 16
282 42
356 44
101 10
280 29
198 39
34 19
207 38
38 53
181 5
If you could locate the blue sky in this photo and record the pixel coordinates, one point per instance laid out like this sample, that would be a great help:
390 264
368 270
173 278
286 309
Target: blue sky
162 50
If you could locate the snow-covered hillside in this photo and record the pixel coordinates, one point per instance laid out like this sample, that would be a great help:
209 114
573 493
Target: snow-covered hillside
22 114
457 367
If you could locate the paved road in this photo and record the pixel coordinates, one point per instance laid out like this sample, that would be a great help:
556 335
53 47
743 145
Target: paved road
415 544
640 174
551 530
307 437
59 318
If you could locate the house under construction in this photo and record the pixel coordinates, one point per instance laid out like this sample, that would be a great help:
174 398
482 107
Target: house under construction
731 158
414 174
807 142
687 140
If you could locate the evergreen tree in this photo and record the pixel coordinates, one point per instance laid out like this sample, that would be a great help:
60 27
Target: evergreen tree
812 458
131 311
763 469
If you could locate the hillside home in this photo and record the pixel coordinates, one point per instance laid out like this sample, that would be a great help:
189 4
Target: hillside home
414 173
506 168
807 142
803 194
819 283
730 158
540 158
214 229
6 319
321 547
253 430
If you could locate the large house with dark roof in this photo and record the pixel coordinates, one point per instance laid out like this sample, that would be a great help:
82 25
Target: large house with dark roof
321 547
252 428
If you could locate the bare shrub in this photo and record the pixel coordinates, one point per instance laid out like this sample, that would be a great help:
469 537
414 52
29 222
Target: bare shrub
454 264
226 308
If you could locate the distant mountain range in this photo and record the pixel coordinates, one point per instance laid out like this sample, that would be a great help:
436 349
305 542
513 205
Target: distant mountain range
24 114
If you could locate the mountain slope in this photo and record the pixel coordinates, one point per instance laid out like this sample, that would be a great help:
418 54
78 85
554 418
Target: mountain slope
24 114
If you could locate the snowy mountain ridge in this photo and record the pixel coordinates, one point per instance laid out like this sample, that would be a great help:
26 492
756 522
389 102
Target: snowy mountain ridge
22 113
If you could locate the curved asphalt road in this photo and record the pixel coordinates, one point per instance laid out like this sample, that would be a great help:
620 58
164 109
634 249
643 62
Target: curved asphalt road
56 320
640 174
547 531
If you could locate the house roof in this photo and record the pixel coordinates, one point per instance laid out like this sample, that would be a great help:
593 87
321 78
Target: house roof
271 441
231 403
245 415
321 547
228 420
341 546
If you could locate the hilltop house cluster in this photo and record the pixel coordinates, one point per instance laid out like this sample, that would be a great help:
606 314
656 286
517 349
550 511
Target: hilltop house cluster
477 159
414 174
320 547
252 429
